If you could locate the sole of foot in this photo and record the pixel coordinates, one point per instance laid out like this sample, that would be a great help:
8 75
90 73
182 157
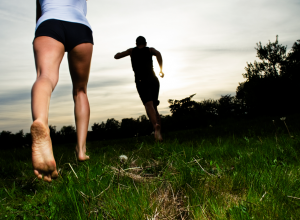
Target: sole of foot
43 161
157 133
81 154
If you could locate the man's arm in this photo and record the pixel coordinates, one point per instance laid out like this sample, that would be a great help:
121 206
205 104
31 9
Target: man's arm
159 60
123 54
38 10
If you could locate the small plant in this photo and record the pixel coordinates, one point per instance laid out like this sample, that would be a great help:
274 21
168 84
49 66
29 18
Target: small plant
275 130
283 119
123 159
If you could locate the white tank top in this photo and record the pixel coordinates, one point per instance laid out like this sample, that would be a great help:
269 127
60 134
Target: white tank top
65 10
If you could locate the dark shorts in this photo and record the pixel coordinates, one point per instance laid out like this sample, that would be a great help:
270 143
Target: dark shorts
70 34
148 90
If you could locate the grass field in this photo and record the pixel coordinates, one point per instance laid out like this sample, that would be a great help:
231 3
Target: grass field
239 170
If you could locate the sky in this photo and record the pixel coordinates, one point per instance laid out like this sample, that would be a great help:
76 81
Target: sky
205 47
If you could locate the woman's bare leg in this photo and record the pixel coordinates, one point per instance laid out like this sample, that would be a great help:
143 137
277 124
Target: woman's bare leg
79 64
155 120
48 55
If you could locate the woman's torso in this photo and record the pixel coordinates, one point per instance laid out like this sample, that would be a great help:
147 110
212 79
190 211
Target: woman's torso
142 64
65 10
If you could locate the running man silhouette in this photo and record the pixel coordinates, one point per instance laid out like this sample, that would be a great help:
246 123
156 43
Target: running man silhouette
147 83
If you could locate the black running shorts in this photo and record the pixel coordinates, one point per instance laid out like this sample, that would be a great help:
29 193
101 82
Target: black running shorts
148 90
70 34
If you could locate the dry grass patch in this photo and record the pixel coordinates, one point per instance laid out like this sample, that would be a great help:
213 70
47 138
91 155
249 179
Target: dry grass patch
169 204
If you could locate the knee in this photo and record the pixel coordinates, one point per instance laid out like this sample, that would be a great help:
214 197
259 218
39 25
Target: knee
149 105
51 81
80 90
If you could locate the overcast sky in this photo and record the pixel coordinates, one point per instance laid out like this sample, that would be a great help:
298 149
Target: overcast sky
205 47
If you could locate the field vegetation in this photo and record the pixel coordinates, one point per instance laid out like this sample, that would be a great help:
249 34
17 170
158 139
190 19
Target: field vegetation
242 169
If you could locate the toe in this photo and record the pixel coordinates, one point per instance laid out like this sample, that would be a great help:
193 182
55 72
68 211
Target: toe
36 172
47 178
54 175
39 175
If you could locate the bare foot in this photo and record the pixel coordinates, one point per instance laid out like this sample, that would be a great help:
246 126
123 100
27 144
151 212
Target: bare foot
157 133
81 153
42 155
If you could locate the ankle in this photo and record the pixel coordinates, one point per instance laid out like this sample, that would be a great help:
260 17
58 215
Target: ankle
40 121
80 148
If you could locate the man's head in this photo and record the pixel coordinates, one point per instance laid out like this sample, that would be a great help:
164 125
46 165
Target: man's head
141 41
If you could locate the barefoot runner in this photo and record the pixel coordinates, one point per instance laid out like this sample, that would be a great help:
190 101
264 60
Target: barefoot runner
147 83
61 27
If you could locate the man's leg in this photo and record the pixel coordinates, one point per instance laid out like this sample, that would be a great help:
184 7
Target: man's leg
152 114
158 118
48 54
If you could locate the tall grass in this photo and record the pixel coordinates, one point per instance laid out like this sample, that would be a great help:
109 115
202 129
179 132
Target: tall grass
232 171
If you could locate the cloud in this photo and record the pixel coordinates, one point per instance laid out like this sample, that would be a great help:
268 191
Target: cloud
205 47
20 95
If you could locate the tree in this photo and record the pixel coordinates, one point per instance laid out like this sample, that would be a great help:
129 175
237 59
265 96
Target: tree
144 126
269 88
292 70
68 130
112 127
98 131
272 58
129 127
182 107
227 106
19 139
6 138
68 134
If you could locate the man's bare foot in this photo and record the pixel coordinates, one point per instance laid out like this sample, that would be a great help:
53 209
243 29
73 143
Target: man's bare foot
81 153
42 155
157 133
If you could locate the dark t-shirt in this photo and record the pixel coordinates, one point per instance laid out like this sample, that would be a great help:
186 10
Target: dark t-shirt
142 63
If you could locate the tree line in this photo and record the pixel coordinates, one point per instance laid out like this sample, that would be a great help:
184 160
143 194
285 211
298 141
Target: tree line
271 88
